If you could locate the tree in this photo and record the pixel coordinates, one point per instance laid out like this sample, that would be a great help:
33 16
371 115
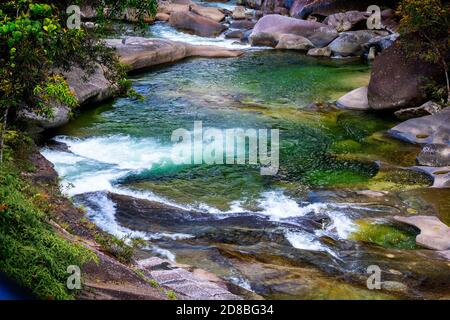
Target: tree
35 42
425 27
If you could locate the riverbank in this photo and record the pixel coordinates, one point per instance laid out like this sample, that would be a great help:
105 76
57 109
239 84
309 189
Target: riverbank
108 266
224 219
347 195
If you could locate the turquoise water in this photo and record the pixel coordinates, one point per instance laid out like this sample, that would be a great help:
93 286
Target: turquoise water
261 90
124 147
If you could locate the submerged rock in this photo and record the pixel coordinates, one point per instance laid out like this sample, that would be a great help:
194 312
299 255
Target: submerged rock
440 175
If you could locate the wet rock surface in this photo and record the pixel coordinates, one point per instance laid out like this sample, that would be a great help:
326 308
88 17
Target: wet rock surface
199 25
434 234
428 108
191 286
397 82
272 26
264 255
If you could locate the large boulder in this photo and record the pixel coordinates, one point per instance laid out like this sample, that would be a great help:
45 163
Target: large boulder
139 53
293 42
196 24
169 8
345 21
135 53
239 13
425 130
208 12
434 234
304 8
352 43
397 81
269 29
242 24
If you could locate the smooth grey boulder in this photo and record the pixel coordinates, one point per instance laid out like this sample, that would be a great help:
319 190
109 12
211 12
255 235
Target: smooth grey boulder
434 234
208 12
434 155
238 13
440 175
270 27
354 100
234 34
193 285
425 130
293 42
345 21
398 79
351 43
195 23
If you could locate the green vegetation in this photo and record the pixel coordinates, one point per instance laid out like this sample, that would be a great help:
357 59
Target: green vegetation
36 44
424 25
31 252
171 295
385 235
123 249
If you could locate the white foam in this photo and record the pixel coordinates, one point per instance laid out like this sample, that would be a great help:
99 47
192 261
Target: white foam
278 206
123 151
161 252
304 241
105 218
165 31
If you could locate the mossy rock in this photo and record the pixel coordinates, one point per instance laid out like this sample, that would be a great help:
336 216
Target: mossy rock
385 235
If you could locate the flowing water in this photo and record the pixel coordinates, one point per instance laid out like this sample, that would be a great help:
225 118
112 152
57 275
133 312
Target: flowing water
308 232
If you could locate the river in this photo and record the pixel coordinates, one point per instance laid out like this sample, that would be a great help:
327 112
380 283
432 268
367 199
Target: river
308 232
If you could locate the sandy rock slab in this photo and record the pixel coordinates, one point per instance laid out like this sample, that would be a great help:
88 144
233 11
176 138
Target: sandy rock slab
192 286
434 234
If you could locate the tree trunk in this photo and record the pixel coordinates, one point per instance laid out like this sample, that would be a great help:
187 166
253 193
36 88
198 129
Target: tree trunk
2 135
447 79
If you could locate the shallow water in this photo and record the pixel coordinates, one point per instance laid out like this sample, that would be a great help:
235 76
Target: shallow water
227 218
